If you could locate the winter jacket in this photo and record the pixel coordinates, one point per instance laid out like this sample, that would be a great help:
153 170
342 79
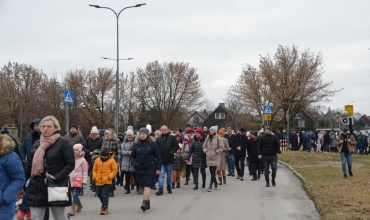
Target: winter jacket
104 171
308 137
114 146
252 150
178 161
60 162
326 138
333 140
75 138
26 145
12 177
294 142
230 138
242 142
126 146
146 159
168 145
223 163
268 145
196 153
213 149
79 171
351 147
90 145
321 138
186 146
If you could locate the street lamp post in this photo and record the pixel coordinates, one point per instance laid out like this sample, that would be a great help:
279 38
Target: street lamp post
117 72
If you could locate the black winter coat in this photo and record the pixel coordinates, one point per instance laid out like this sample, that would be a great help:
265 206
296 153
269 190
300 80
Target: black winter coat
168 146
178 161
60 161
242 141
197 154
229 138
268 145
252 150
146 159
90 145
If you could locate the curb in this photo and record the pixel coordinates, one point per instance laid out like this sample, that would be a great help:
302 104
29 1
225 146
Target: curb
293 170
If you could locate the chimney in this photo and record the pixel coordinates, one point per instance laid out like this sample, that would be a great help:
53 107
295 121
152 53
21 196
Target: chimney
222 104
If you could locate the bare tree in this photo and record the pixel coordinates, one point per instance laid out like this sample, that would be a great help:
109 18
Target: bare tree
166 88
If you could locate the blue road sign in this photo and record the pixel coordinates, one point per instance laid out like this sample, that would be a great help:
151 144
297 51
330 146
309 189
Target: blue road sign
267 109
334 115
68 97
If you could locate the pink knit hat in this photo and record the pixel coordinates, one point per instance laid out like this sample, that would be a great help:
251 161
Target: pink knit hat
79 147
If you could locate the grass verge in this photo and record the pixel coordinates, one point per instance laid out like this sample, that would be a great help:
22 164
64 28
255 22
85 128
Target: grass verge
334 196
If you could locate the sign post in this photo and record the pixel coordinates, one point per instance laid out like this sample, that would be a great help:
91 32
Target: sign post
267 112
68 100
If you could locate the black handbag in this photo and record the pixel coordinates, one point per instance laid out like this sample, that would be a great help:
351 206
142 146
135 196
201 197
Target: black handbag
228 157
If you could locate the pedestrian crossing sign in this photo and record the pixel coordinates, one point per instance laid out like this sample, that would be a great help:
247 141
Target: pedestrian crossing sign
68 97
267 109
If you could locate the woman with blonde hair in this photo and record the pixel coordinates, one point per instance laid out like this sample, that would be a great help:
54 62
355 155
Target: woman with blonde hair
59 160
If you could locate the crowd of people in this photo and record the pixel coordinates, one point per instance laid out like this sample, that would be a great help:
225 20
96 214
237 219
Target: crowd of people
144 160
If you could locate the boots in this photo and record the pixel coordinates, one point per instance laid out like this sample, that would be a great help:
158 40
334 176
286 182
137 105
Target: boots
178 185
169 190
173 185
224 177
186 182
104 210
219 180
79 206
350 172
132 186
145 205
127 190
203 185
160 192
195 187
72 210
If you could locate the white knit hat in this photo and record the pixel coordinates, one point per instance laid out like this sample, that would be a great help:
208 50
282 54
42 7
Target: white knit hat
130 132
94 130
149 127
214 128
130 127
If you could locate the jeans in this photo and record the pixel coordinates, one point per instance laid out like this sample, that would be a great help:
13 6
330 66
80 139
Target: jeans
212 170
239 165
312 145
195 173
267 161
231 164
38 213
327 147
75 195
165 168
346 157
102 193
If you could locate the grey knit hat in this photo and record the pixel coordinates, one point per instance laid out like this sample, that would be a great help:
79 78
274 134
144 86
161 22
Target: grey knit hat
130 132
214 128
144 130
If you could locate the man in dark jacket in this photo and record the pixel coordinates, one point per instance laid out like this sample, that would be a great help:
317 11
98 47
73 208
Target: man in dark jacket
231 164
255 162
269 150
327 140
26 145
168 146
74 136
239 145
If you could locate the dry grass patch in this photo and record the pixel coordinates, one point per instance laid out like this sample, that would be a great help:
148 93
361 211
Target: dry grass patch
334 196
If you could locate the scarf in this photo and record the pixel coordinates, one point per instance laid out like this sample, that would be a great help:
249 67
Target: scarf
38 158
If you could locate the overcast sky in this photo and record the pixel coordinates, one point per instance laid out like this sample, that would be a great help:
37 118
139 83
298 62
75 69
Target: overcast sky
215 37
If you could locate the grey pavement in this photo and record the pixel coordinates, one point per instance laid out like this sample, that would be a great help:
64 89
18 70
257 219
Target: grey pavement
236 200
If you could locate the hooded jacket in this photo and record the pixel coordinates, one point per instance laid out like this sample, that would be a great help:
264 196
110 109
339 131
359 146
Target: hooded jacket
104 171
27 143
12 176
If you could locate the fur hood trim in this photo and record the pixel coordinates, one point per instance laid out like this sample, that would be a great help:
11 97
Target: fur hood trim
6 144
150 139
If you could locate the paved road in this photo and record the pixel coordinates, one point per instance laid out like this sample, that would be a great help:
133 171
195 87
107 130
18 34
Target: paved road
236 200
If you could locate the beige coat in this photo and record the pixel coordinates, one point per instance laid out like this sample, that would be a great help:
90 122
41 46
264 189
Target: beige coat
351 146
223 163
213 149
